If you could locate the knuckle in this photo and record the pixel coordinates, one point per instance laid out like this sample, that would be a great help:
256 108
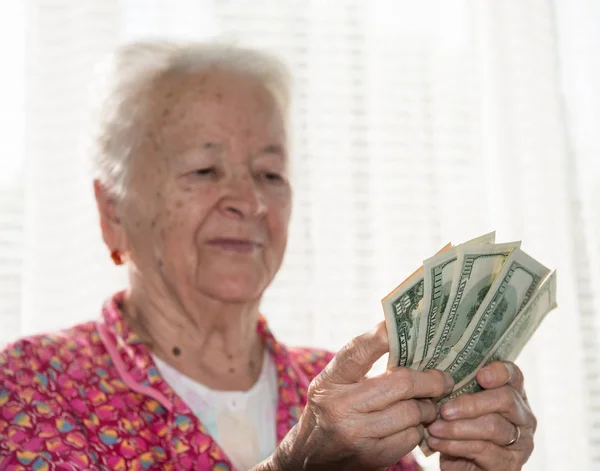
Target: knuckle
352 352
353 345
332 413
510 397
354 438
412 413
313 387
343 433
322 404
497 426
529 446
530 420
480 447
387 422
381 391
515 373
440 380
414 436
340 433
428 410
398 373
534 422
334 426
315 396
380 334
386 381
357 352
513 462
323 378
404 382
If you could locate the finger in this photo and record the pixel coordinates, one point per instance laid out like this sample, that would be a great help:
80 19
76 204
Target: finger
500 373
486 455
391 449
399 416
505 401
356 358
399 384
492 428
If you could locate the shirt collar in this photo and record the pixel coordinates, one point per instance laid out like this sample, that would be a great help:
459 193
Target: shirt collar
140 367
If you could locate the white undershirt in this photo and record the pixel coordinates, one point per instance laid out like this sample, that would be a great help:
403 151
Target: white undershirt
243 423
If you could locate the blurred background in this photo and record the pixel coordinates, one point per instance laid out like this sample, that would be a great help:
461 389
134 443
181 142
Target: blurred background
415 123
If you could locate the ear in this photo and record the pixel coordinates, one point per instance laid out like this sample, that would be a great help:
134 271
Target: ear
113 231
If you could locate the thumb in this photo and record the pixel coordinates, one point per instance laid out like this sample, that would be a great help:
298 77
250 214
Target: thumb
356 358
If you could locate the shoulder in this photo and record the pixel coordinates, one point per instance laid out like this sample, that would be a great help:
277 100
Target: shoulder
310 360
38 376
48 364
48 353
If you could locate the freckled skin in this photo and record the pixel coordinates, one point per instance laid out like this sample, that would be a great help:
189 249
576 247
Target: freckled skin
220 121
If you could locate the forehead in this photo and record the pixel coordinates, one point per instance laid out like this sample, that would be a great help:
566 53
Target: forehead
214 101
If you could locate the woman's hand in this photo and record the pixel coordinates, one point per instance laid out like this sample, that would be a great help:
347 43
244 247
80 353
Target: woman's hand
490 430
352 423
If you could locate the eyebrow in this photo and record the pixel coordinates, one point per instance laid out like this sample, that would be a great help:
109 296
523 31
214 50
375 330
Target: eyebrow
273 149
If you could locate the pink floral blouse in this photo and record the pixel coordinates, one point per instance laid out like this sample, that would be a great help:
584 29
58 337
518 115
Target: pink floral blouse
92 398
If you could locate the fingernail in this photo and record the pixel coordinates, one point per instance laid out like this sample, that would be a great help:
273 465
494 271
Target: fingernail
435 427
487 376
449 411
432 441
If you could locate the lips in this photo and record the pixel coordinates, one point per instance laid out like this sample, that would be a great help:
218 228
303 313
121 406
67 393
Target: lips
236 245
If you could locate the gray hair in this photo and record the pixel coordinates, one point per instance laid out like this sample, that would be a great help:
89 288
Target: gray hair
130 72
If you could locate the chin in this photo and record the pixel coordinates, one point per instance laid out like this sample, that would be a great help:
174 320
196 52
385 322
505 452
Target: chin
235 289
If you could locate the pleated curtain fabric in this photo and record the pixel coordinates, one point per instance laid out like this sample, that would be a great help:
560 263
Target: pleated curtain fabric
414 124
12 125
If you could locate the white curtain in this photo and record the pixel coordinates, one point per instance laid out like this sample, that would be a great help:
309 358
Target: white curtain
415 124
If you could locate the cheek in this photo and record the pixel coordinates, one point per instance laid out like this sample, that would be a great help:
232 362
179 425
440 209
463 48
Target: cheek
185 214
279 218
173 224
171 238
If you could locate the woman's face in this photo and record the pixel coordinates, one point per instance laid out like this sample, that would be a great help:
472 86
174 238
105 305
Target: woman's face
210 197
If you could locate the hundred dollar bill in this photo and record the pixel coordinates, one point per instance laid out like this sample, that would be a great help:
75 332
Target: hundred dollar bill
401 308
517 335
477 267
511 291
438 272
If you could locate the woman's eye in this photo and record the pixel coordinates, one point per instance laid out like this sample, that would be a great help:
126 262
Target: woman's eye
273 176
205 171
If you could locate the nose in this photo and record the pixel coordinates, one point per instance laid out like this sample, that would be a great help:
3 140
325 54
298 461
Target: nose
243 199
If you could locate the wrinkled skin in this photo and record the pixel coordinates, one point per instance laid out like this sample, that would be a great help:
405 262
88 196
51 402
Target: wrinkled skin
474 429
352 423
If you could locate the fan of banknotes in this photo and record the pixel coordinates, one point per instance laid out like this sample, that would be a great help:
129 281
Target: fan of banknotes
467 306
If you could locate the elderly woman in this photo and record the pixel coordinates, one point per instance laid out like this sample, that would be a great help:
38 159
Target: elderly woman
181 371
